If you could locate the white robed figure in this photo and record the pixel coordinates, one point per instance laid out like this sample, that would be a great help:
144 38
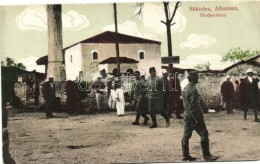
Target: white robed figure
112 99
120 98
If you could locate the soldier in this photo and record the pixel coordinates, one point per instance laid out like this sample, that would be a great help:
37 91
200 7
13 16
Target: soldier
248 94
138 95
48 91
194 120
155 98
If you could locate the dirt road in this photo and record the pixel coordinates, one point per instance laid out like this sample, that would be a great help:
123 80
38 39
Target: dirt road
107 138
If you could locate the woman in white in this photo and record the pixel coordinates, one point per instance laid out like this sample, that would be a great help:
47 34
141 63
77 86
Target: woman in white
120 98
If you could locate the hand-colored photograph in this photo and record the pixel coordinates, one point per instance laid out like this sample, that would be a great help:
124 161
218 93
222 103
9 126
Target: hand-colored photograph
130 82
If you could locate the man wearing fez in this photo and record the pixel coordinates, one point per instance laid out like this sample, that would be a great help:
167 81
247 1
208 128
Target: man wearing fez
248 94
228 93
194 120
155 98
138 95
48 91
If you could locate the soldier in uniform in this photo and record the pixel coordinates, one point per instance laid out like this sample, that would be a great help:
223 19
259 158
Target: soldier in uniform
48 91
155 98
138 95
194 120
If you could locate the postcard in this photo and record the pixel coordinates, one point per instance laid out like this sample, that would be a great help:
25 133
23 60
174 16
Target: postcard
130 81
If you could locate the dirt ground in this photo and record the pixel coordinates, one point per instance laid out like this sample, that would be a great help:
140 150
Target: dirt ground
107 138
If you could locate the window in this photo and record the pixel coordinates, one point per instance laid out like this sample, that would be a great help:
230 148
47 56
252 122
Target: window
141 55
71 58
95 55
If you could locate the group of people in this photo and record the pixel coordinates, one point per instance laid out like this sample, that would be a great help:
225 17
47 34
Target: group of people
162 96
246 93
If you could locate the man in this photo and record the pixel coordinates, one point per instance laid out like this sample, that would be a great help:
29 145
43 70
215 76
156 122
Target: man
155 98
194 120
228 93
48 91
138 94
174 95
98 87
165 91
248 94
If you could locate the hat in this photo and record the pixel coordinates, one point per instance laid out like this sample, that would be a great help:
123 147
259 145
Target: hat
255 72
152 69
51 76
228 77
164 71
249 70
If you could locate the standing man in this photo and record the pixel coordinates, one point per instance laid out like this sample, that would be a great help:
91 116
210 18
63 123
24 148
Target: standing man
138 95
228 93
165 91
48 91
98 86
155 98
174 97
194 120
248 94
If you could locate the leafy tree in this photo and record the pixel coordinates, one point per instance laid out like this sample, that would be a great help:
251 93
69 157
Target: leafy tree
202 67
237 54
9 62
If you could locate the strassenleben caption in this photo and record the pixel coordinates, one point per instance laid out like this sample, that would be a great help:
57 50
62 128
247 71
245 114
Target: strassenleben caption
211 12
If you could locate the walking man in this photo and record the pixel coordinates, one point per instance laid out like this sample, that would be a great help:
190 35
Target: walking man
48 91
155 98
194 120
248 94
228 93
138 95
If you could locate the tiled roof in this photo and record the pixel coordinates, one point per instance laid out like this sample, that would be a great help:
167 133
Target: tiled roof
112 60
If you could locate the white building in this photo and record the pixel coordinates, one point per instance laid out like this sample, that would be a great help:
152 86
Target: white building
87 58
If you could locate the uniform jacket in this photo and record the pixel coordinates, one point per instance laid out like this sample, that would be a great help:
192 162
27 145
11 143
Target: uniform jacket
174 89
155 88
137 90
191 102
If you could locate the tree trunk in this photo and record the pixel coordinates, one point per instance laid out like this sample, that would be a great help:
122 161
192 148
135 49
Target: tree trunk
55 57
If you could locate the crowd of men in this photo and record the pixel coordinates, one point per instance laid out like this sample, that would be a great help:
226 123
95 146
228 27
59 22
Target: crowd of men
245 94
156 95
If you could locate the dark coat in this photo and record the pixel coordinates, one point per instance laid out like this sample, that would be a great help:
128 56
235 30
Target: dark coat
227 91
48 91
243 91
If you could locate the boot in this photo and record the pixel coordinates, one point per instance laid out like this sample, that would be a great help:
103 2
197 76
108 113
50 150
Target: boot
167 118
136 122
185 151
146 119
245 115
206 153
154 125
256 119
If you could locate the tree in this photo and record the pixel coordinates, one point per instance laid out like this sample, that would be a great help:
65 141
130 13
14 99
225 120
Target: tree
168 22
9 62
202 67
237 54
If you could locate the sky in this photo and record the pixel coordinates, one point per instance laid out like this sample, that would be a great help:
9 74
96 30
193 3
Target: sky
196 39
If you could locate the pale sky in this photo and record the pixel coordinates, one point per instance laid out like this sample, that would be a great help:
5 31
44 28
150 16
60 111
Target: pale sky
196 39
